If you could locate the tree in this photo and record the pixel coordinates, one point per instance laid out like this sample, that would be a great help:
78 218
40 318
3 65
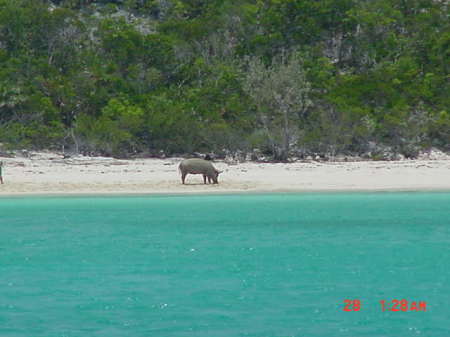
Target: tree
280 92
75 73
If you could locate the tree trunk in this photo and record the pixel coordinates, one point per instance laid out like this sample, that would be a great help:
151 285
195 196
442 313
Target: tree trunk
75 141
286 138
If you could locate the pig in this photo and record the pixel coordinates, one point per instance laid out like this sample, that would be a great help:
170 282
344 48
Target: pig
199 166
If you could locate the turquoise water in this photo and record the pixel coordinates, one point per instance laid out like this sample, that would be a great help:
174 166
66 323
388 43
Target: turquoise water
247 265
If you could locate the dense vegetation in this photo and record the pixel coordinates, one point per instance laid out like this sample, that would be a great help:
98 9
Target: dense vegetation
287 77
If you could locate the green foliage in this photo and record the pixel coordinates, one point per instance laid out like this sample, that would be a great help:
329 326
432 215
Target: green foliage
112 133
281 94
123 76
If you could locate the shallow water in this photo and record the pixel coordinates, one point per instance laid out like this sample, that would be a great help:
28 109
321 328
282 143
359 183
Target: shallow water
236 265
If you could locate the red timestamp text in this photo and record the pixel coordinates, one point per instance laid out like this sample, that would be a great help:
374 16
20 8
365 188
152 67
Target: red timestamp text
393 305
352 305
403 305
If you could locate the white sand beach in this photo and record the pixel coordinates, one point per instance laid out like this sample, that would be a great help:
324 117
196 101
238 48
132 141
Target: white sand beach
48 173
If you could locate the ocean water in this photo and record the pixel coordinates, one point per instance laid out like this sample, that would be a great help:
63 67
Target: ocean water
236 265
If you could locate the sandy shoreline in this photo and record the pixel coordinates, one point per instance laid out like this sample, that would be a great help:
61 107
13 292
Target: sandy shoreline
50 174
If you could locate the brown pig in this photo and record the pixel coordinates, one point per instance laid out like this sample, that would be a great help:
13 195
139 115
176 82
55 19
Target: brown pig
199 166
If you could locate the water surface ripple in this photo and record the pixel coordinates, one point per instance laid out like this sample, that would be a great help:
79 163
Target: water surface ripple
235 265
